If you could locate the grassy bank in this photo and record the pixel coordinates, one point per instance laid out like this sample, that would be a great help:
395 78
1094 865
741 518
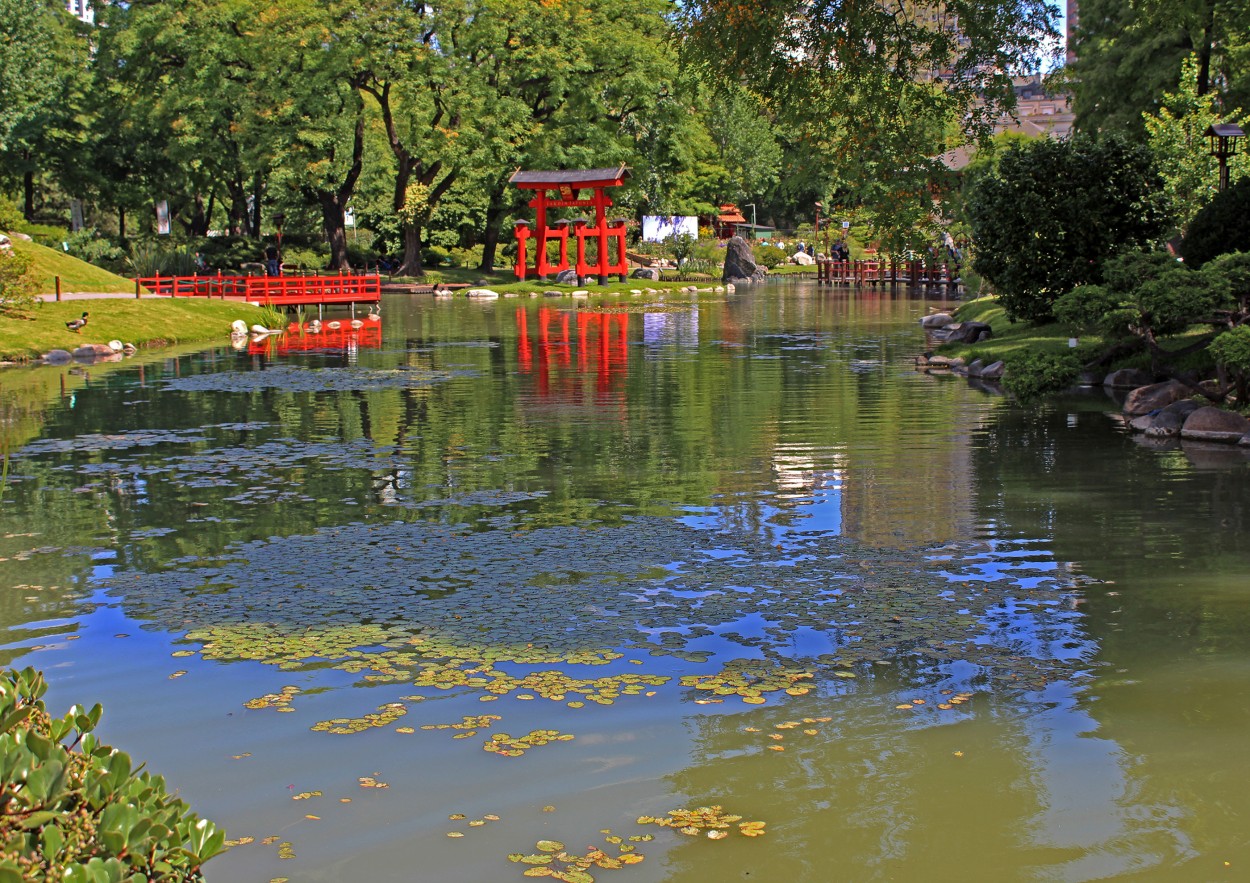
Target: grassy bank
145 323
75 275
1010 338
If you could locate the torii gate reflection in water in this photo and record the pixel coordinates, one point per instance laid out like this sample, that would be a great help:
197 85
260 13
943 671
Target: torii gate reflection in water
610 349
608 236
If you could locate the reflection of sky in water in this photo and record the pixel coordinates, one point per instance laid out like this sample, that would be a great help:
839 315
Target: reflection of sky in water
671 329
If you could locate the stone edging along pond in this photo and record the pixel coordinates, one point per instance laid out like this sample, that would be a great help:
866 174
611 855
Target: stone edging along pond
1158 410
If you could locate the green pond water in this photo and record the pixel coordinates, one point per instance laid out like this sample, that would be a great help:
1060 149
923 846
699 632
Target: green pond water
402 606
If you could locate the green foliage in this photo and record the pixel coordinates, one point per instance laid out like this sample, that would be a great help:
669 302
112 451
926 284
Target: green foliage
75 809
770 256
17 282
1147 294
1128 54
1232 349
1031 376
1222 226
88 245
1053 211
1178 142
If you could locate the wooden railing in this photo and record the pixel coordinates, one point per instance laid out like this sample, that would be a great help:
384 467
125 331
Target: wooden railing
271 290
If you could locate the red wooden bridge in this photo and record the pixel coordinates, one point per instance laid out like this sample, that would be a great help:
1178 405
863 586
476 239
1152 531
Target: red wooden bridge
272 291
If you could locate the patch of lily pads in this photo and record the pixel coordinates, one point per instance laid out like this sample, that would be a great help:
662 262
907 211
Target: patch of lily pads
529 613
297 378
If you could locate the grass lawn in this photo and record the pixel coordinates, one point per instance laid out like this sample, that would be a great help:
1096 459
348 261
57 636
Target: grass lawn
145 323
1011 338
76 275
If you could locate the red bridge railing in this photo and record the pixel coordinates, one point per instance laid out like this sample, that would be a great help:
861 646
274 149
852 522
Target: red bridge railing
272 290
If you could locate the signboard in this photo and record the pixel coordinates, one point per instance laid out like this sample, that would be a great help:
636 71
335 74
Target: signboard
846 225
162 218
661 228
349 216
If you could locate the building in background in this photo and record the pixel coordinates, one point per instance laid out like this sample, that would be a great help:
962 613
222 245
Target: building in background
81 10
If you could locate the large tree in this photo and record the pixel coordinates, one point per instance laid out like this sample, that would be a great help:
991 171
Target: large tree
1053 212
1128 55
879 83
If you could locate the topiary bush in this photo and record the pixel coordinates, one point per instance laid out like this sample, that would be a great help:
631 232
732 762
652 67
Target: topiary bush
1031 376
1220 227
17 282
770 256
75 810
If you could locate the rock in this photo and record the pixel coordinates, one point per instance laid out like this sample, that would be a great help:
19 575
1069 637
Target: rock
975 368
57 357
652 273
963 332
994 371
730 288
740 266
483 293
1128 378
803 259
567 277
1215 424
553 294
1155 397
93 351
937 320
1142 423
1089 378
944 363
1183 408
1161 425
129 349
581 292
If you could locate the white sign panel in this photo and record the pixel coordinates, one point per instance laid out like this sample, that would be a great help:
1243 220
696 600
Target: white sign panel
660 228
162 218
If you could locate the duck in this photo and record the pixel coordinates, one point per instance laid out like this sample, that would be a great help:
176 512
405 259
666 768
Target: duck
314 327
334 325
238 326
375 313
77 325
357 324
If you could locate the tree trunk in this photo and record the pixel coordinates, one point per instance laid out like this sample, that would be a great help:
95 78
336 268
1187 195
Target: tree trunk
1204 51
335 228
494 225
257 191
412 265
121 224
28 192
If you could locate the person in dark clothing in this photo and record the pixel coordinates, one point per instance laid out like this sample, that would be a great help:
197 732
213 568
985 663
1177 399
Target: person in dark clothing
273 266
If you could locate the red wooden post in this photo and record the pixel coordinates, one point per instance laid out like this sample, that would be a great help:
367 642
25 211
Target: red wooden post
601 231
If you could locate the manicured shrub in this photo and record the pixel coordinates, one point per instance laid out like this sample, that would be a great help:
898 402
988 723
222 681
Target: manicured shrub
1222 226
770 256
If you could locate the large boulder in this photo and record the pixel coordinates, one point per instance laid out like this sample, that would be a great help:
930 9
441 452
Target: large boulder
57 357
965 332
994 371
1155 397
1215 424
1168 422
568 277
1127 378
652 273
740 266
803 259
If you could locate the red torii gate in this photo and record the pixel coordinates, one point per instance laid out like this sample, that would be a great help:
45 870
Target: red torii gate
609 236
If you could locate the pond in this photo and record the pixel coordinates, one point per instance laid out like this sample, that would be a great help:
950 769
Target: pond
406 606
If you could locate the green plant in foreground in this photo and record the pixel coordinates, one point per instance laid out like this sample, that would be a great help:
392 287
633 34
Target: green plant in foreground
75 810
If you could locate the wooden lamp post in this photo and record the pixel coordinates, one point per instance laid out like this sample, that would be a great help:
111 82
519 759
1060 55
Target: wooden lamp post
1224 138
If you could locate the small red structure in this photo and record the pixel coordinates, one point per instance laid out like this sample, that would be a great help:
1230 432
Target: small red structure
565 186
275 291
